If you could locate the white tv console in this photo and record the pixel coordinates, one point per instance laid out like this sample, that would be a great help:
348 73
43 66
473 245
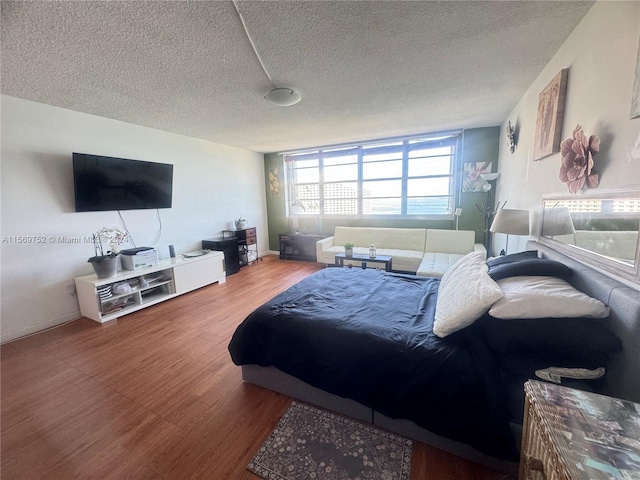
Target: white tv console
151 285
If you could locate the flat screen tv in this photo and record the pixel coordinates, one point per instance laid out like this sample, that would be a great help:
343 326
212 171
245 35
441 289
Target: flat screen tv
109 183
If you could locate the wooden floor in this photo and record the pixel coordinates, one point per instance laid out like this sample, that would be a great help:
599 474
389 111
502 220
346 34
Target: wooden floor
154 394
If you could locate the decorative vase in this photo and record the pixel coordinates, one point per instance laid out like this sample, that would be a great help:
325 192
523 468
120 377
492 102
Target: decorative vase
240 224
348 252
105 266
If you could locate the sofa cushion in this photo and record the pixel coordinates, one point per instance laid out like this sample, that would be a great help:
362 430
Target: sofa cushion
403 260
396 238
450 241
405 245
435 264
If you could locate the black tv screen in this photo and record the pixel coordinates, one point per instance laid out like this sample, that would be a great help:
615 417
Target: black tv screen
109 183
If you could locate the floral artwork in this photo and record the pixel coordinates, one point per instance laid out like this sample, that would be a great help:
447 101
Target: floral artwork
549 119
577 155
274 182
472 180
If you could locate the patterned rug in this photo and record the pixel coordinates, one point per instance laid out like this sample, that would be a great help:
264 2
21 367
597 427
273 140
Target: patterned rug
310 443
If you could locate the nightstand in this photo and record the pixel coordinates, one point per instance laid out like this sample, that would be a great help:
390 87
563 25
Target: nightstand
571 434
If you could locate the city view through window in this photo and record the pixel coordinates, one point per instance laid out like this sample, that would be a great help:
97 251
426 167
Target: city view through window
409 177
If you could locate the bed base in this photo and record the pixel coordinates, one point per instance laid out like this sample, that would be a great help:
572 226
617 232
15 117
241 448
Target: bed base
278 381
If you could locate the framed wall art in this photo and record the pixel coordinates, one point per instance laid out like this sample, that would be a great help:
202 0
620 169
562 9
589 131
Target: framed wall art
274 181
550 114
472 180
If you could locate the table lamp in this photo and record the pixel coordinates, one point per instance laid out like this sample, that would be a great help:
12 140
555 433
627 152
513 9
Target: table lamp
510 222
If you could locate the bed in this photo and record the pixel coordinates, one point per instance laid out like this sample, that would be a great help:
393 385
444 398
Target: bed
362 342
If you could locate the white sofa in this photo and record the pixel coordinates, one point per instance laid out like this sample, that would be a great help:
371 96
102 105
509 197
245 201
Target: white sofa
425 252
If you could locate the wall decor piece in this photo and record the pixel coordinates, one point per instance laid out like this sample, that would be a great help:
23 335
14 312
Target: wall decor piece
274 181
472 180
577 154
549 119
512 142
635 96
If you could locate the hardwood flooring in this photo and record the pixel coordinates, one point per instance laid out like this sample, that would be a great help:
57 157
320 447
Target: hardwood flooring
154 394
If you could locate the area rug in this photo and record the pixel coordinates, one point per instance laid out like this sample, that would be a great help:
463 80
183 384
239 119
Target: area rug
311 443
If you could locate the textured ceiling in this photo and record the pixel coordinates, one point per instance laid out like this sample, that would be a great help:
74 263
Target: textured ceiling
365 69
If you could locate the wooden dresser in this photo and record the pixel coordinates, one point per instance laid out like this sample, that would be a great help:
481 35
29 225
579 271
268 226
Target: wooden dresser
571 434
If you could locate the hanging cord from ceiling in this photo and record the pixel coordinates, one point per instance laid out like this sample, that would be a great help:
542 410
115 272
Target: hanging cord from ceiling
253 45
281 96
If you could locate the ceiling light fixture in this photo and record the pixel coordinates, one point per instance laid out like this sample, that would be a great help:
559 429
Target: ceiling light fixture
281 96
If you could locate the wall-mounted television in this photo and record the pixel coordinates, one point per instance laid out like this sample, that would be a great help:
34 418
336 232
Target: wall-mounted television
110 183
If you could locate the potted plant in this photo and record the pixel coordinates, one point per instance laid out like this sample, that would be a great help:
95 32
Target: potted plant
106 264
348 249
240 223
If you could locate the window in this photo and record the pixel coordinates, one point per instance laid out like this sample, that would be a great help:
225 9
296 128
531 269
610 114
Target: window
410 177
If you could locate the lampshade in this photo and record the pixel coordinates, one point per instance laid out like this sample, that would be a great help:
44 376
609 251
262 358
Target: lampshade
283 97
489 177
511 222
557 221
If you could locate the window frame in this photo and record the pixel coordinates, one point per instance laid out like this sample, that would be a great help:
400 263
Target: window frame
403 147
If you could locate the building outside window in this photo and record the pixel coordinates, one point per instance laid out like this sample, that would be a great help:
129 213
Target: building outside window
413 177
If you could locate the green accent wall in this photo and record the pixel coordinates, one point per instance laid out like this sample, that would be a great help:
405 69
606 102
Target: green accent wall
276 208
479 145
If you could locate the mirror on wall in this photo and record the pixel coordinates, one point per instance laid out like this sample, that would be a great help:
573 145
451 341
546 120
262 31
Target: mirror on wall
598 227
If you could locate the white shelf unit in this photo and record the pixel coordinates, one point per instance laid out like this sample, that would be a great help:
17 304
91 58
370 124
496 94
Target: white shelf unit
166 280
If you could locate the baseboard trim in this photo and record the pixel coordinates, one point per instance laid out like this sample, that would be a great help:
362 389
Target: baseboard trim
39 328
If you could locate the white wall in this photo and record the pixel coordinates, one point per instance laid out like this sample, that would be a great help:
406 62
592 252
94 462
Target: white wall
213 184
601 56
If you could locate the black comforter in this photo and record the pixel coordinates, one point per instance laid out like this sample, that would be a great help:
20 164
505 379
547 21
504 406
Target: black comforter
368 335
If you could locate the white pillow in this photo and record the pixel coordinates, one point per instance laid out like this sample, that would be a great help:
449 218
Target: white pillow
466 292
544 297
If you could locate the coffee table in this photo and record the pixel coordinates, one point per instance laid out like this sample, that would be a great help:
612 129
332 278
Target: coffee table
340 258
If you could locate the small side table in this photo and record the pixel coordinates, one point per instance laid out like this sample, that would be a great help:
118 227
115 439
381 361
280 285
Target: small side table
364 259
569 434
247 244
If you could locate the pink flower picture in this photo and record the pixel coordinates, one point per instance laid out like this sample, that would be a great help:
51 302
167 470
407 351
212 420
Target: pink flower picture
577 155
